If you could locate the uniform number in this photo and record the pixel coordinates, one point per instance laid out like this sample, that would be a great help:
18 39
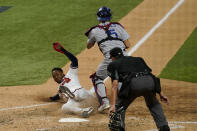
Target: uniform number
113 33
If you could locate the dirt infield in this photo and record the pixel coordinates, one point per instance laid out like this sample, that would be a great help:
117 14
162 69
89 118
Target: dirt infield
28 108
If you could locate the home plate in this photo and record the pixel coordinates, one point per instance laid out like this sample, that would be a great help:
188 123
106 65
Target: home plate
72 120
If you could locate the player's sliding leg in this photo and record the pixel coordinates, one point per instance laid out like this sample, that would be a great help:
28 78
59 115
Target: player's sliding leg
73 107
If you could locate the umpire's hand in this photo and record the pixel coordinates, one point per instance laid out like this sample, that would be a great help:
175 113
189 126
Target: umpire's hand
164 98
112 109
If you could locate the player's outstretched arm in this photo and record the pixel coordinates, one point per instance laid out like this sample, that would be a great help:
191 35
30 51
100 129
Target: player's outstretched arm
59 48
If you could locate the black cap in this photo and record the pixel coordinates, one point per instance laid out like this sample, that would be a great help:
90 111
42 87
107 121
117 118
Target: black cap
116 52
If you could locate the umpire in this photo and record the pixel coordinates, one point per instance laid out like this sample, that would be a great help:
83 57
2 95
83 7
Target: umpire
137 80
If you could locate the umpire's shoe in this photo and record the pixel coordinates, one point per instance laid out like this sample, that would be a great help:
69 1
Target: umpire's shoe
164 128
86 112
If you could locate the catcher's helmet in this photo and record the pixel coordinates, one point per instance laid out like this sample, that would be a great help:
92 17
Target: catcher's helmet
104 14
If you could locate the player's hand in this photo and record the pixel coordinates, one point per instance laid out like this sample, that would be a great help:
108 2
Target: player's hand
54 98
164 99
112 109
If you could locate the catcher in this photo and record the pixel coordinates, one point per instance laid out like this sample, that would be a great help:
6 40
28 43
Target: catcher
69 86
107 35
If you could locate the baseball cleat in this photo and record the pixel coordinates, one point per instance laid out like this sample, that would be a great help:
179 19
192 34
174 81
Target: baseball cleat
86 112
103 107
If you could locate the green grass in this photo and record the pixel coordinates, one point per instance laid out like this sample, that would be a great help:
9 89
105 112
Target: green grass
183 66
28 29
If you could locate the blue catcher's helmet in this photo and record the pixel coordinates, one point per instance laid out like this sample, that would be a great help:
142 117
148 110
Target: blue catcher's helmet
104 14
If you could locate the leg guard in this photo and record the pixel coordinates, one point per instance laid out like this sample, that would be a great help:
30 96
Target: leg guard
100 89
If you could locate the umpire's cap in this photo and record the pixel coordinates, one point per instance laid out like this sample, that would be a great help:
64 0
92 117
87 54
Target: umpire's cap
116 52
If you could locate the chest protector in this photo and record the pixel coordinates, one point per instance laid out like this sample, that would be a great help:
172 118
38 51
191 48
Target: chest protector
106 29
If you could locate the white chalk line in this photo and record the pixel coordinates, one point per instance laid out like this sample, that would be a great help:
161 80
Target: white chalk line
154 28
43 129
183 122
139 43
24 107
173 125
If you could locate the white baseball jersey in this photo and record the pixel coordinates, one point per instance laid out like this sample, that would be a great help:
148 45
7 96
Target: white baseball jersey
116 31
71 81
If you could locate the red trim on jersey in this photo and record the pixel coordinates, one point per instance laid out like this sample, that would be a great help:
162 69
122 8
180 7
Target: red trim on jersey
90 29
77 89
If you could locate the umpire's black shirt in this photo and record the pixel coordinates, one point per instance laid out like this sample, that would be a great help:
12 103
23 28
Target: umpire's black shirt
125 65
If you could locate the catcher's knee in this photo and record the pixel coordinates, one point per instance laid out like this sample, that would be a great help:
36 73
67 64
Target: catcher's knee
99 87
96 79
115 122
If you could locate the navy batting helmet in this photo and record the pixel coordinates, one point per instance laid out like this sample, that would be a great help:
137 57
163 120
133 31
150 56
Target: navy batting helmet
104 14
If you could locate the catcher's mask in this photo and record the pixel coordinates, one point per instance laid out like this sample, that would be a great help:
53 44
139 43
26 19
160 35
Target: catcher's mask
104 14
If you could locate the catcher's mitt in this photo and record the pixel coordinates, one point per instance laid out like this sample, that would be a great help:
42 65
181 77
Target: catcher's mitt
115 121
64 90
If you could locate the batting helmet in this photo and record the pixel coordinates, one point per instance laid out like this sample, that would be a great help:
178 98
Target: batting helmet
104 14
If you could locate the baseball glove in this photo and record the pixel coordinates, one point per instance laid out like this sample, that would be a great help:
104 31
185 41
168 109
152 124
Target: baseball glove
58 47
64 90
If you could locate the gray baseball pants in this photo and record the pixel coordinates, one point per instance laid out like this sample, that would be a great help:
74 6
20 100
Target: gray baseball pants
102 75
144 86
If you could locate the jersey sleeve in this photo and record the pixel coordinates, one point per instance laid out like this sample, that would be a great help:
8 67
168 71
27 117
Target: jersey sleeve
91 37
72 71
124 35
112 72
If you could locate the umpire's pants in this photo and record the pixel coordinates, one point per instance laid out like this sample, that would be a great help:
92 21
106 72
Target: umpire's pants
143 86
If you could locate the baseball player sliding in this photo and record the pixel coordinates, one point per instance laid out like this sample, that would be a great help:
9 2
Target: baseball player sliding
69 86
